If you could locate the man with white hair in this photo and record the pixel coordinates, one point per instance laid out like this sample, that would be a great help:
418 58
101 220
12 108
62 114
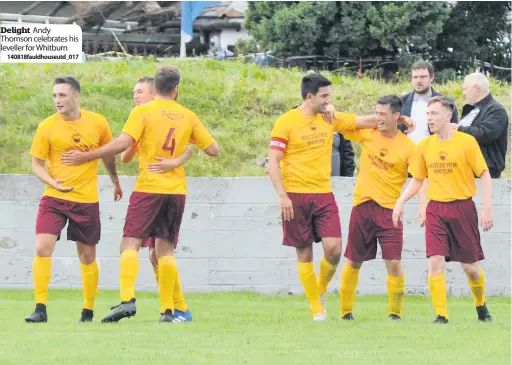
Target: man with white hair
486 120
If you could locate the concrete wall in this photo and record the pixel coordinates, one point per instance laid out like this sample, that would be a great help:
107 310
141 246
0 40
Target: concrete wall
231 241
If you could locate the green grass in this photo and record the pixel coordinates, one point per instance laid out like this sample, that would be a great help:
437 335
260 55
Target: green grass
243 328
238 102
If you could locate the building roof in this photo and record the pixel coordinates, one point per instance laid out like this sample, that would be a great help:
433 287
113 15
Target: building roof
228 9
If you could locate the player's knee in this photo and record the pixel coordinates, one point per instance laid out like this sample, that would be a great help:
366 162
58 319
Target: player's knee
394 267
45 245
87 256
472 271
43 250
354 265
435 265
152 258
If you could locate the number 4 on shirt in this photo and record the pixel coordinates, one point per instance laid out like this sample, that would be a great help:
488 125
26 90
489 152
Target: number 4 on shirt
171 141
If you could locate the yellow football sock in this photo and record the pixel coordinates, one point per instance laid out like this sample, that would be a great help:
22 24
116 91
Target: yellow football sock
437 286
478 289
179 299
327 271
157 274
90 276
168 271
42 271
128 273
308 279
348 285
396 288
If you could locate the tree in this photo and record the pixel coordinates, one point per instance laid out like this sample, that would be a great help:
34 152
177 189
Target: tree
475 29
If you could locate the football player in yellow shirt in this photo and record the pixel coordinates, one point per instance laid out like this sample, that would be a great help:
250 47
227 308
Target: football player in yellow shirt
451 159
71 192
385 159
300 169
144 92
161 128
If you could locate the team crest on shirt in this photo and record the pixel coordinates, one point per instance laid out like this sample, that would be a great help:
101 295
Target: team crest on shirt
383 152
313 127
76 138
442 155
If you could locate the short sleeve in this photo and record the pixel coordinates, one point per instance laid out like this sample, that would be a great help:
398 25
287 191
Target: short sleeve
418 166
475 158
344 122
358 135
280 134
200 135
41 143
134 126
106 132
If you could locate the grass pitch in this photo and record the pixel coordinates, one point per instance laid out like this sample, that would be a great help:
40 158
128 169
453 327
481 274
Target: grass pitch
243 328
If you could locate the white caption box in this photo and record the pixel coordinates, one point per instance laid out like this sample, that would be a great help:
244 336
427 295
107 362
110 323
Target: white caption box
40 43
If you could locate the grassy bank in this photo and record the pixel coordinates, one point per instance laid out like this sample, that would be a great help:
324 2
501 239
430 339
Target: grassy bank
238 103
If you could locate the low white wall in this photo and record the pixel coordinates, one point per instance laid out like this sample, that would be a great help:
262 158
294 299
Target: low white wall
231 241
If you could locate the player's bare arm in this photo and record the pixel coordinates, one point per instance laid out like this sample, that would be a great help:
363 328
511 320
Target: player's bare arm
110 165
274 170
40 171
213 150
412 189
422 209
128 155
167 164
112 148
486 221
367 121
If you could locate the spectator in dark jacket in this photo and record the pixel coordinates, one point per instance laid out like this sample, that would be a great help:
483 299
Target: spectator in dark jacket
343 163
415 103
486 120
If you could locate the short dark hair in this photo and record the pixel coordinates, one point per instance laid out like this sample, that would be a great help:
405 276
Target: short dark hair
394 101
70 80
311 84
166 79
421 64
445 101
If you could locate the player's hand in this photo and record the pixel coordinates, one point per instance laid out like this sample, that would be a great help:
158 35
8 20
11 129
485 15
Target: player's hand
57 185
165 165
286 207
329 114
408 122
118 192
486 221
72 157
398 212
422 215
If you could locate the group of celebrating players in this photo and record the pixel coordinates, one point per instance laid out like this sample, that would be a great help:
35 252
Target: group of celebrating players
159 129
